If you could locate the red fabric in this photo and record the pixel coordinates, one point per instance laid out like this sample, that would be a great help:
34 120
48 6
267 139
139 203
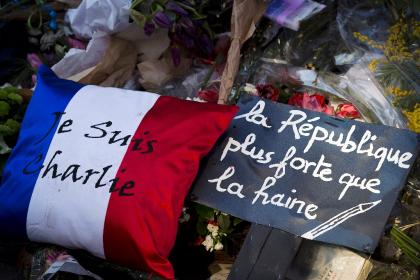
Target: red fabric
140 230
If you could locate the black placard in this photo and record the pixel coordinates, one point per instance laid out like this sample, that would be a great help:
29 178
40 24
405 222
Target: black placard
307 173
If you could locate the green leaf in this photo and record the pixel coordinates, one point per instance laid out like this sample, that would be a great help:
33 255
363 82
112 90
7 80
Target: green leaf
206 27
10 89
190 9
403 74
4 108
409 247
138 17
224 222
13 125
202 227
236 221
60 50
157 7
204 211
4 148
5 130
3 94
15 97
408 102
171 15
135 3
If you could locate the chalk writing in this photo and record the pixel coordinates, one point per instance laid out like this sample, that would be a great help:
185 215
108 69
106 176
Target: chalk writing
307 173
255 115
278 199
345 143
232 188
235 146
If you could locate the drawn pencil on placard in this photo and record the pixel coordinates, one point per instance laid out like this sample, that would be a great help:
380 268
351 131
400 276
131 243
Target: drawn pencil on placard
339 218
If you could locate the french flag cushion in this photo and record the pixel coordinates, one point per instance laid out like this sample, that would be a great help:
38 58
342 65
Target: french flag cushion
106 170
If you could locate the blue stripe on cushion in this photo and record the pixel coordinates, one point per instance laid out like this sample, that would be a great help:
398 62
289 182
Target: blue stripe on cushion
23 166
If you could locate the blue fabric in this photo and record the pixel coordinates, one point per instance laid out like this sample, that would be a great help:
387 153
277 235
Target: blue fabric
23 166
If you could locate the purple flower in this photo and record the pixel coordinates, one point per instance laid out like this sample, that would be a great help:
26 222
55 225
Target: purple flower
204 44
162 20
149 28
182 38
188 26
176 9
34 60
176 55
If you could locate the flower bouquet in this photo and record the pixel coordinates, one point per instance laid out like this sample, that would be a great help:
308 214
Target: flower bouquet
389 43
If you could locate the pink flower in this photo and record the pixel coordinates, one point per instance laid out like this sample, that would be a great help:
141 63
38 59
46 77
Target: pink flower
314 102
268 91
329 110
34 60
209 95
296 100
347 111
76 44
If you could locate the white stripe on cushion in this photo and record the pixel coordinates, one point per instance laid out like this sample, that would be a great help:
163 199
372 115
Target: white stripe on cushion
70 213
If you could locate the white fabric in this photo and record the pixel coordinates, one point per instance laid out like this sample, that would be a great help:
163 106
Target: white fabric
109 16
76 60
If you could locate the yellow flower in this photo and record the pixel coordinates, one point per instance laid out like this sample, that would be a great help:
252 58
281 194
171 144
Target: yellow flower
398 92
373 65
396 46
413 118
365 39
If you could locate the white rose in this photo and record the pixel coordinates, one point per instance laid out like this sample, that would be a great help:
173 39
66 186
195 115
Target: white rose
213 228
218 246
250 88
208 243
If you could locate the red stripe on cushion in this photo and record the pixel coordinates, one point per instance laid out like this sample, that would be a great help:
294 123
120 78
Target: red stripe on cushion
140 229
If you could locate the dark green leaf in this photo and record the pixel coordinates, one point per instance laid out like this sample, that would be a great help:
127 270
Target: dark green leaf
5 130
4 108
236 221
15 97
13 125
135 3
409 247
157 7
204 212
202 227
224 222
3 94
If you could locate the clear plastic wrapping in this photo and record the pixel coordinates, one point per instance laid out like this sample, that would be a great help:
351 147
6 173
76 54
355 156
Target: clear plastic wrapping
353 87
388 35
